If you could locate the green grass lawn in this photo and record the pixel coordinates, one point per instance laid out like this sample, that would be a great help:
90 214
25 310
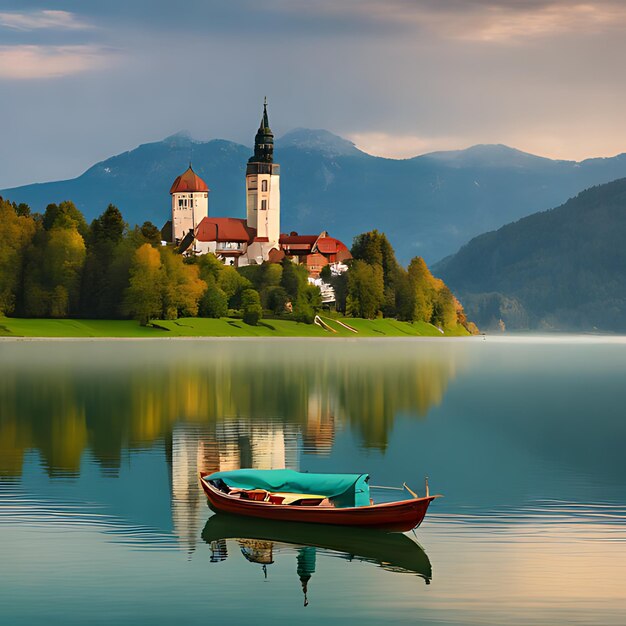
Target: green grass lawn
224 327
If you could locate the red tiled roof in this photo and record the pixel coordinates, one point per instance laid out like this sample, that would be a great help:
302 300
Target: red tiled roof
189 181
328 245
224 229
343 255
333 247
290 240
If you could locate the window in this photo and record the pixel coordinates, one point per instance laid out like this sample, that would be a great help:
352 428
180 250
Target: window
264 185
180 203
263 205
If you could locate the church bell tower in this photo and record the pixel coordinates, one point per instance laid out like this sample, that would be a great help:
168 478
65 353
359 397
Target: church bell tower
190 203
263 186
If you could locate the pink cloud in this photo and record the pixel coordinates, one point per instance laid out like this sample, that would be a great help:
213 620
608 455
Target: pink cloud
25 62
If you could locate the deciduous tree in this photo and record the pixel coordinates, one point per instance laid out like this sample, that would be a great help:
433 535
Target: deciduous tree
366 291
144 298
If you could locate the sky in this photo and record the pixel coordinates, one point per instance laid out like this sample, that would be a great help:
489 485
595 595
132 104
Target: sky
81 81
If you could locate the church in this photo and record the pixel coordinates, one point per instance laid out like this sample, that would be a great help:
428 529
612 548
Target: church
258 237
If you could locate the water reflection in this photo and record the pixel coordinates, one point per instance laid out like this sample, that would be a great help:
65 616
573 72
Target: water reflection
227 445
260 541
65 398
100 507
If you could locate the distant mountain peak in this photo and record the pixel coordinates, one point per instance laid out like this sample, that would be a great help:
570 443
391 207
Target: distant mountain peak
181 138
486 155
318 140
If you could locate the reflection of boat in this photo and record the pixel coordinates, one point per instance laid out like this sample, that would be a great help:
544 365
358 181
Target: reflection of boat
285 495
393 551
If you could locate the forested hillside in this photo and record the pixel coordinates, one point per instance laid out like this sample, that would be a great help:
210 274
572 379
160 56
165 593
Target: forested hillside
54 265
562 269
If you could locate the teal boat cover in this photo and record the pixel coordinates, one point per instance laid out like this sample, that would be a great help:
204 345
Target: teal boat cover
344 490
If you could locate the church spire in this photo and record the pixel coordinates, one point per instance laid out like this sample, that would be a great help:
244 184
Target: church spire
264 140
264 120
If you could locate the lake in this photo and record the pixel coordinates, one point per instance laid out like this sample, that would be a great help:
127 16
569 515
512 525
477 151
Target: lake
102 520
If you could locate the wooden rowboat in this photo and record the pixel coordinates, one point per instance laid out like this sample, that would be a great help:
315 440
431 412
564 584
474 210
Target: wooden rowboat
263 503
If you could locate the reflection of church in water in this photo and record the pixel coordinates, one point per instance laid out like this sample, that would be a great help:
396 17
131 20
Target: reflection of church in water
232 444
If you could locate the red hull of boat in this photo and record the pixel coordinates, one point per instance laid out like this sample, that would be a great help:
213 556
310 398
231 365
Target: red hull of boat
393 516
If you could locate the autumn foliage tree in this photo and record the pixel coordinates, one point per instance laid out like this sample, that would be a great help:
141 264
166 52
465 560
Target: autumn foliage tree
366 290
182 286
144 298
378 285
54 266
16 232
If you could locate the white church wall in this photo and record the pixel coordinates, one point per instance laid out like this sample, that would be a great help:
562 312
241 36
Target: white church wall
188 210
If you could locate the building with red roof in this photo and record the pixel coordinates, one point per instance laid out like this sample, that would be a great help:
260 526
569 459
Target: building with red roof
190 203
188 182
257 238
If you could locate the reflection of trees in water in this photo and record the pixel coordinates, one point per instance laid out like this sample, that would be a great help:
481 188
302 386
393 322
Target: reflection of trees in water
62 399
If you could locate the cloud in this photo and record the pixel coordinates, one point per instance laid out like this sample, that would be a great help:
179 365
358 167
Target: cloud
489 21
502 24
45 19
25 62
401 146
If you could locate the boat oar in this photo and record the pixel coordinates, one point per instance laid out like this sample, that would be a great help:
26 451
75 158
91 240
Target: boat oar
404 486
410 490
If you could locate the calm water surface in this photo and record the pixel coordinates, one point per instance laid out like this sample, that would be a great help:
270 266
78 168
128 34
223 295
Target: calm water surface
102 520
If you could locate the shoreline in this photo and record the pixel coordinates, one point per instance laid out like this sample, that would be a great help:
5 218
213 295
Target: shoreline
246 338
571 338
228 328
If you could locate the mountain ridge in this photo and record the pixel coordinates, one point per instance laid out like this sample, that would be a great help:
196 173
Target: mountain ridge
428 205
560 269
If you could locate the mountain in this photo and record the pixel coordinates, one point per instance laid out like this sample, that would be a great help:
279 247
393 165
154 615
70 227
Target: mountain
563 269
428 205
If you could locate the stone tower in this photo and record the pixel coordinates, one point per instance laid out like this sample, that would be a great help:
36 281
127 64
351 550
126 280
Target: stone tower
190 203
263 187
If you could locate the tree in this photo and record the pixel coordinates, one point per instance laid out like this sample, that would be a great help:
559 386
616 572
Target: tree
366 291
423 288
233 284
405 298
182 286
22 209
444 309
210 267
109 227
374 248
16 232
307 304
294 278
339 284
264 278
151 233
213 302
277 299
326 274
101 293
65 215
143 298
53 271
251 307
65 257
